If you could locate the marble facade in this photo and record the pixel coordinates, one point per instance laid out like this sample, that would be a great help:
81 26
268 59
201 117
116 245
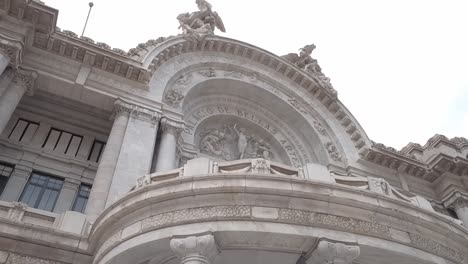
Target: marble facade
199 149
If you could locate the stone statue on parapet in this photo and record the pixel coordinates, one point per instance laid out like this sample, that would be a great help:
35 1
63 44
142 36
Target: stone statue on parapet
304 61
199 24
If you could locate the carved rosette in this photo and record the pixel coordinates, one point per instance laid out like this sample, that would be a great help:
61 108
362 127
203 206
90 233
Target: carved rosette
25 79
12 49
124 108
195 249
171 127
334 252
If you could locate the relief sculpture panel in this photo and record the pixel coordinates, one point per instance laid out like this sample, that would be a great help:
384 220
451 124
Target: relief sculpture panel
233 142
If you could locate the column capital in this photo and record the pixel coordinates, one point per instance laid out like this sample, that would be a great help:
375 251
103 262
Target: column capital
12 49
195 249
171 127
456 200
334 252
25 79
122 107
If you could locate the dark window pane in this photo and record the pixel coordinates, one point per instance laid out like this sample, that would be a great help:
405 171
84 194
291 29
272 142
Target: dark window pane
82 198
42 191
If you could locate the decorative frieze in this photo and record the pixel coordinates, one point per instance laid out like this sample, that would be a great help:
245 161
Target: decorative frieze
295 217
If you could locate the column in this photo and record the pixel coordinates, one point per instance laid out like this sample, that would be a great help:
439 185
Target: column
23 81
334 253
136 153
67 196
168 145
459 203
195 249
109 158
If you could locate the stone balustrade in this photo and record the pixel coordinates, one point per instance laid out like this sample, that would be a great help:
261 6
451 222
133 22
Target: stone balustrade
314 172
70 222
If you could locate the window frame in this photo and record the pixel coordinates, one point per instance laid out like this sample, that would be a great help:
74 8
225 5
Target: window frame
9 165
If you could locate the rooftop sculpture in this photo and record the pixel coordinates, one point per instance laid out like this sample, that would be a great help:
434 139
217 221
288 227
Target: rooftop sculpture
304 61
199 24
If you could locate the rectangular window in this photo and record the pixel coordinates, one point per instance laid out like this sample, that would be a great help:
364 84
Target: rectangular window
82 198
23 131
42 191
96 151
63 142
5 172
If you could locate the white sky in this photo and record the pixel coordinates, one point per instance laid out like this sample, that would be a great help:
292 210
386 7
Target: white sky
399 66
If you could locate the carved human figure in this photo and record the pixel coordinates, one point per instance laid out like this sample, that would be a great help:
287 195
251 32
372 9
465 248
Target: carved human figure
241 141
213 143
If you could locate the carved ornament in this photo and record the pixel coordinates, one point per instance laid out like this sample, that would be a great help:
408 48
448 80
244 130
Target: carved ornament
334 252
171 127
13 49
25 79
141 113
333 151
195 249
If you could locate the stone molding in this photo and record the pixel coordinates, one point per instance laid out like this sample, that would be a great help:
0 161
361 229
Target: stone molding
171 127
13 49
141 113
195 249
334 252
25 79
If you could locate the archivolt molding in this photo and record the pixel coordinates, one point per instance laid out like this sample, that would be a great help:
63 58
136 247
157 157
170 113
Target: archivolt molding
181 83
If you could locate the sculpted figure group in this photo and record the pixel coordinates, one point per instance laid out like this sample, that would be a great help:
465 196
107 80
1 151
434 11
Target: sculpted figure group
197 25
232 142
304 61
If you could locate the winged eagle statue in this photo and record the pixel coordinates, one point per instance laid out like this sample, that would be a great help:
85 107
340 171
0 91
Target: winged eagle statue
199 24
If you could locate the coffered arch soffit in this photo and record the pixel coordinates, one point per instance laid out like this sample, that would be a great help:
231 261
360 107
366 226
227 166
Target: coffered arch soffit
178 66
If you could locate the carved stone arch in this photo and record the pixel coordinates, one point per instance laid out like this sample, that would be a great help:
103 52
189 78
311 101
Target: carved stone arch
175 62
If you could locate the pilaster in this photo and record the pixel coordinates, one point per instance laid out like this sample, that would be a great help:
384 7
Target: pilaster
67 196
16 183
195 249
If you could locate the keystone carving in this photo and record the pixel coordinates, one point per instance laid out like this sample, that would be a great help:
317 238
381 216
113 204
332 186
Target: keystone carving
333 253
195 249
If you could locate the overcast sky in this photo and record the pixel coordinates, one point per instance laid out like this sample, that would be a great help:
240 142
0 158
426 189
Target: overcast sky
399 66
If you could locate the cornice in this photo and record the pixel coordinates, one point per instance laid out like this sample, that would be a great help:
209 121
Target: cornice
35 13
99 55
429 168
